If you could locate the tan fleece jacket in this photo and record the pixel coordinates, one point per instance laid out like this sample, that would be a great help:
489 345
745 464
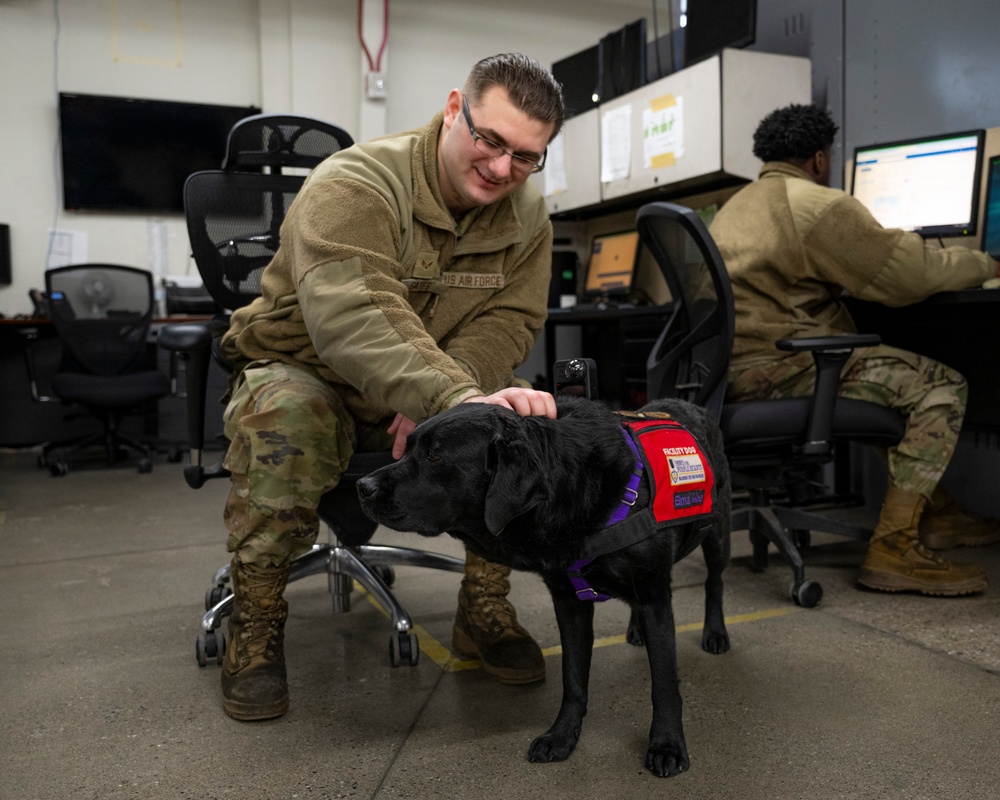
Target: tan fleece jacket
792 247
378 289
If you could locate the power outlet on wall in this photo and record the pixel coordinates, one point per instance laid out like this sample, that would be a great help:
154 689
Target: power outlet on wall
375 86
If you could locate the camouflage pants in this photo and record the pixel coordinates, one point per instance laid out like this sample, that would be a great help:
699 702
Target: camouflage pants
290 439
930 395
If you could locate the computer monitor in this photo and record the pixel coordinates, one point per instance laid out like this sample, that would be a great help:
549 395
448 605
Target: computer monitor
991 209
623 60
711 26
580 78
928 185
612 265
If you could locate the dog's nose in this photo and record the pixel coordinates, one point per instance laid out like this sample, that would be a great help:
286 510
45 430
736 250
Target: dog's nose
366 488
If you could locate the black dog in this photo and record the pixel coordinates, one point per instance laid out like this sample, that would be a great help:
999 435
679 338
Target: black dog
537 494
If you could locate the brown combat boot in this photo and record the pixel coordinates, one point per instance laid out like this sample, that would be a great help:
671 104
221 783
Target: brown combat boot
486 625
896 561
944 525
254 685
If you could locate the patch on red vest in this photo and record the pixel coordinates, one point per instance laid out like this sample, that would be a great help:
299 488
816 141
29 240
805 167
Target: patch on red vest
681 475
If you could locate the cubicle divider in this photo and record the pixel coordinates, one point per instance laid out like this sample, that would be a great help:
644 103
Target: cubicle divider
680 134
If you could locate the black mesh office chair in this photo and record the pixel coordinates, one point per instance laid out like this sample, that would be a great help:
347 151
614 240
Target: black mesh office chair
278 142
234 219
102 315
775 448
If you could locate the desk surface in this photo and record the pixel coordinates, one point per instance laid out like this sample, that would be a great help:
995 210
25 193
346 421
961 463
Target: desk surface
963 296
44 322
960 329
558 316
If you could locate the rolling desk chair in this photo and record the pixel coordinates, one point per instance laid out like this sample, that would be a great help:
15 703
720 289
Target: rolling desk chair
234 219
775 448
280 142
102 315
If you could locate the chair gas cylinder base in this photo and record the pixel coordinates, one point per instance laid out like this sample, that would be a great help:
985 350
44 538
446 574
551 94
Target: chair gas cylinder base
371 565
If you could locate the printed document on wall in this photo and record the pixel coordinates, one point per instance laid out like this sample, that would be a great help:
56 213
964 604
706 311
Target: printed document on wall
616 143
554 174
65 248
663 132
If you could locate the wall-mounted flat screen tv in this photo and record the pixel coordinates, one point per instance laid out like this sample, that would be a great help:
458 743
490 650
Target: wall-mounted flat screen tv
130 154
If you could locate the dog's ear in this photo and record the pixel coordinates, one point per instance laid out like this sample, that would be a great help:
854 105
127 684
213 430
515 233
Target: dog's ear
515 486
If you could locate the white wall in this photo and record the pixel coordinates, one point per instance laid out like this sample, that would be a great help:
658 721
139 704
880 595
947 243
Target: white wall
299 56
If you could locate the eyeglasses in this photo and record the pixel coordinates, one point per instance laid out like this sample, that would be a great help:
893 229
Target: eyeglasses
519 163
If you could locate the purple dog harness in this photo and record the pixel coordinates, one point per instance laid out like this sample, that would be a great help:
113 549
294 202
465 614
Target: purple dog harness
681 482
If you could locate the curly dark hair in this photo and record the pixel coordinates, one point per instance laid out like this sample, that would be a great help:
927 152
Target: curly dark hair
793 133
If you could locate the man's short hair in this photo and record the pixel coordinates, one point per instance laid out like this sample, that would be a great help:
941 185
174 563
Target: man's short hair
793 133
528 84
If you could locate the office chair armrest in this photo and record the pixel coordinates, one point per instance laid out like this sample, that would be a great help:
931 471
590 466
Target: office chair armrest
182 337
848 341
829 354
192 342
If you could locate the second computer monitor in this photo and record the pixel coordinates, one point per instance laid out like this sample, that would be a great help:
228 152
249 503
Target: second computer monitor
611 268
991 208
928 185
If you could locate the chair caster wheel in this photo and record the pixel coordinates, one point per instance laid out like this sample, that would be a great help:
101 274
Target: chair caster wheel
404 649
801 538
806 594
386 573
211 645
215 595
145 465
58 468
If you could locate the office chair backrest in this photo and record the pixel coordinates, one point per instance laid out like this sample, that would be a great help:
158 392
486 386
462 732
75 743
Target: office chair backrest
102 314
234 223
691 356
234 215
280 141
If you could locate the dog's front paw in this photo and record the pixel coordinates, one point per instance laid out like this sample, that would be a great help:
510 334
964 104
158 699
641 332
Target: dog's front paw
667 760
714 641
553 746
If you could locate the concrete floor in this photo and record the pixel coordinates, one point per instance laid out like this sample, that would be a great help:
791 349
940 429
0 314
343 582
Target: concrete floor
102 579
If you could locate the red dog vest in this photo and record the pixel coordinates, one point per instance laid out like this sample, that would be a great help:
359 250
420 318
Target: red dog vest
680 483
681 477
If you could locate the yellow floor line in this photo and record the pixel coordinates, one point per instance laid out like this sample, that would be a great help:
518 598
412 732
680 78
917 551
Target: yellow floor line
449 662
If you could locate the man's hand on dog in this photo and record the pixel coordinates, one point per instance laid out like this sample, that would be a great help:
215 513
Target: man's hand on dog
526 402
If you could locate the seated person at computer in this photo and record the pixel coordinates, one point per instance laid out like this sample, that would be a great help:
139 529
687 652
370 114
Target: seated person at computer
412 276
792 246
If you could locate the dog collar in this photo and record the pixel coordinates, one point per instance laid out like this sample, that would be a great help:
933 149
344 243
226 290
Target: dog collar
583 589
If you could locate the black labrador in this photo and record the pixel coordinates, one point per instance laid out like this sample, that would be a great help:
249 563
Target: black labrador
538 494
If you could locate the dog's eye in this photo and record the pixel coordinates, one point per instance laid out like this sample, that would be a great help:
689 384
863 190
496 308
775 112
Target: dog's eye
432 456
